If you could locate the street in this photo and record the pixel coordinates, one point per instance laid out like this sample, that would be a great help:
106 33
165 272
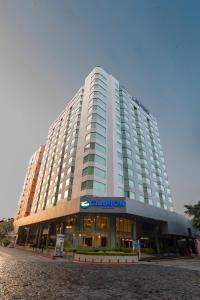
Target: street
25 275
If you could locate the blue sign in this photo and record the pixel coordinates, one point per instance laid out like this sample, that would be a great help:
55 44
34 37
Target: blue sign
136 245
84 203
102 203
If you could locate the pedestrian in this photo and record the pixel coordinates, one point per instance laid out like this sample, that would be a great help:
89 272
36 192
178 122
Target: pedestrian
42 246
34 246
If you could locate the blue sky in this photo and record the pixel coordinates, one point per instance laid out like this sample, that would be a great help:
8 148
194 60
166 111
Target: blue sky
48 47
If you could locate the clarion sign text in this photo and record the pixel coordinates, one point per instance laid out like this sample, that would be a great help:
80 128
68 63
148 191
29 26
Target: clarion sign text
102 203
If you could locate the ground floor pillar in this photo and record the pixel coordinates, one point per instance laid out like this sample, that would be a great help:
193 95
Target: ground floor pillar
112 231
39 236
157 243
48 235
175 245
134 231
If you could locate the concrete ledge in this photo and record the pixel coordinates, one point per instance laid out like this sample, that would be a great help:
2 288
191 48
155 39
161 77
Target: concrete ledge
105 258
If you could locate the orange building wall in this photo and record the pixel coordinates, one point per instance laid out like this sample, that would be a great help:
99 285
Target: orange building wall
28 191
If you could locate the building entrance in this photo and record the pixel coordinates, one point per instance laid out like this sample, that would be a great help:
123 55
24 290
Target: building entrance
95 240
87 241
124 232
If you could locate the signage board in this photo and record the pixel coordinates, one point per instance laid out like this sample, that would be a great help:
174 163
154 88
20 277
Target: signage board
136 247
59 245
102 202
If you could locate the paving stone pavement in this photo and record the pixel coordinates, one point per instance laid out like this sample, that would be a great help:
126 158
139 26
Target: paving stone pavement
26 276
183 263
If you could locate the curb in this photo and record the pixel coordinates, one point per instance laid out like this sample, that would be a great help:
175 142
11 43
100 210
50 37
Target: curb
105 263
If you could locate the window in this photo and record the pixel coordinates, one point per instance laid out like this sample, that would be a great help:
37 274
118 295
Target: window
95 146
154 175
130 195
137 157
96 126
96 117
120 166
66 194
72 151
95 158
129 162
130 172
120 178
145 171
118 126
92 184
70 160
119 136
118 118
140 187
119 155
68 181
147 190
99 88
102 222
97 109
161 188
127 142
69 171
150 201
97 94
128 151
119 145
99 186
96 136
141 198
98 80
94 171
100 76
168 191
170 199
131 184
120 191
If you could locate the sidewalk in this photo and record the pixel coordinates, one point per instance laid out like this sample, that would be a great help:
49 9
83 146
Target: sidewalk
192 263
146 257
49 253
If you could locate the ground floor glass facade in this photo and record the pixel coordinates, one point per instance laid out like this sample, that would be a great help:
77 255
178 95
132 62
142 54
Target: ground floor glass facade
101 231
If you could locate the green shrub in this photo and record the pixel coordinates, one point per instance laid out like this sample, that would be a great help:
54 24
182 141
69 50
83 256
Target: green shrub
123 249
5 242
103 252
167 250
147 250
112 251
51 247
74 250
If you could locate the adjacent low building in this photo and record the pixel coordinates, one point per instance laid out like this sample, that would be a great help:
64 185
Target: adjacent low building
103 179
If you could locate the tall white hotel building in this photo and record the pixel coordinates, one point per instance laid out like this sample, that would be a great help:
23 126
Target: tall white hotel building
103 179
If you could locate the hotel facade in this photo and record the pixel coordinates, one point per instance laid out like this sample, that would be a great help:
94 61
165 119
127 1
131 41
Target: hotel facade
103 179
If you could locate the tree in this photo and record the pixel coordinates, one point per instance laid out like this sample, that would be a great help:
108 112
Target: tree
194 212
5 228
